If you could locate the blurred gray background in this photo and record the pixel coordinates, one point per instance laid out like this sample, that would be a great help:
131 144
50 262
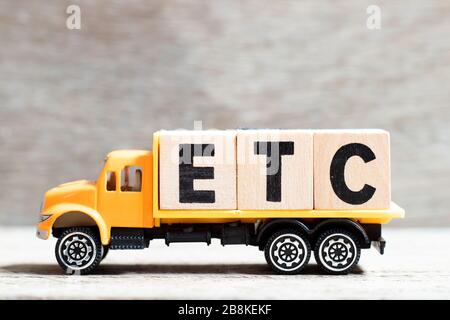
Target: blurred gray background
68 97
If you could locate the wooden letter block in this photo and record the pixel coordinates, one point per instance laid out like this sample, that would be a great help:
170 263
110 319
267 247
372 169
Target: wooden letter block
275 169
351 169
197 169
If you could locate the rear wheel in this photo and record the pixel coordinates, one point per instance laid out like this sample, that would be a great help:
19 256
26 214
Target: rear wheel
287 251
78 250
337 251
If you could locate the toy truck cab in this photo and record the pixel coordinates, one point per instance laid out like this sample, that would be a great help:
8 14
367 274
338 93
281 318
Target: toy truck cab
125 189
125 209
117 199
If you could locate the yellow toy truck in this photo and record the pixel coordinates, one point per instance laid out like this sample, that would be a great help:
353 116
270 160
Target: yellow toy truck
287 192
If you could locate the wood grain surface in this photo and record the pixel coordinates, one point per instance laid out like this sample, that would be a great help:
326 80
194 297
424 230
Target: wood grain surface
68 97
416 265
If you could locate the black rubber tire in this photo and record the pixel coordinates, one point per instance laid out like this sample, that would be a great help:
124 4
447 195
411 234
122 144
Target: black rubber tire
105 252
89 239
352 245
287 234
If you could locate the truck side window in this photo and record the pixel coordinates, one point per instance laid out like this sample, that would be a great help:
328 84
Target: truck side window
110 181
131 179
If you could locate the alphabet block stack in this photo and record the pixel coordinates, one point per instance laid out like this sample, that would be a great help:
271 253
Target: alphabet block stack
274 169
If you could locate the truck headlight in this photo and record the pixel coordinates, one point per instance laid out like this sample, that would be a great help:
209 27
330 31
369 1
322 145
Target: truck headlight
44 217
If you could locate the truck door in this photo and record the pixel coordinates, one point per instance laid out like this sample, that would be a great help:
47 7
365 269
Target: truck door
122 202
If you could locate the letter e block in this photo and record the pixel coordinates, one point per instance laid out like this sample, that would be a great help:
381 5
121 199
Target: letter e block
351 169
197 169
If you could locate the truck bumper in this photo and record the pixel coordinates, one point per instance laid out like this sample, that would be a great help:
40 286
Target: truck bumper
380 244
42 234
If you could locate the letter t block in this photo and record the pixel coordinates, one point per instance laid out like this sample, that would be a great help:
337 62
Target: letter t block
275 169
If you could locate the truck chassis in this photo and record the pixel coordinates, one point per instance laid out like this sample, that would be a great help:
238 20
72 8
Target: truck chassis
287 243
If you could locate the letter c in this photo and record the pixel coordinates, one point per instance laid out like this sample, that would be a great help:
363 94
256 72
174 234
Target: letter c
337 173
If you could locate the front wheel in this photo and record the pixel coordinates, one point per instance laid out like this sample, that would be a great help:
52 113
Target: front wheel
105 250
337 251
287 252
78 250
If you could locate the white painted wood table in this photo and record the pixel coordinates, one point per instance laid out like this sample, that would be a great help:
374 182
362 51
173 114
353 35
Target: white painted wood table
416 265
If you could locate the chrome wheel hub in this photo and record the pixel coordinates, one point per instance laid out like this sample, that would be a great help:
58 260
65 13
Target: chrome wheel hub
288 252
338 252
77 250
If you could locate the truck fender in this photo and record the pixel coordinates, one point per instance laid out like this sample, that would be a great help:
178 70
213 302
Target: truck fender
66 208
345 223
269 227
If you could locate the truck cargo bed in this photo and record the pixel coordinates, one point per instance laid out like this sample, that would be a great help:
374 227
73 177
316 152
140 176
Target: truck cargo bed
381 216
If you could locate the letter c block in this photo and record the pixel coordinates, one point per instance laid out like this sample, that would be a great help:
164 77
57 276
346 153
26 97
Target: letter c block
351 169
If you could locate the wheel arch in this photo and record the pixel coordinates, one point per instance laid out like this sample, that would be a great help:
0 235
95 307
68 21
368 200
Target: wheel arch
80 216
345 224
277 224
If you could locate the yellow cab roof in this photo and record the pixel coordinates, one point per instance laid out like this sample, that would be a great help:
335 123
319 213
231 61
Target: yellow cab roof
126 154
